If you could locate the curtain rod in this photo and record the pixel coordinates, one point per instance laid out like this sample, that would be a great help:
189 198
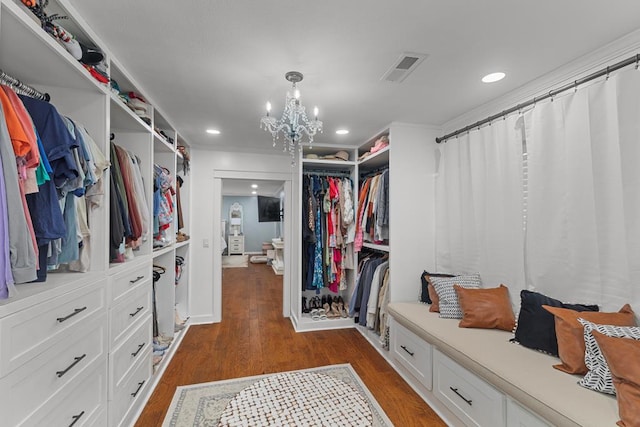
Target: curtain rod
603 72
23 88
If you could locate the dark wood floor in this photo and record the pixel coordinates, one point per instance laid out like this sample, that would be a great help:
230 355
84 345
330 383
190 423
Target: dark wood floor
254 339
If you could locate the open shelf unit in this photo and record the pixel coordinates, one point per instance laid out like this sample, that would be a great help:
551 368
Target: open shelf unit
115 383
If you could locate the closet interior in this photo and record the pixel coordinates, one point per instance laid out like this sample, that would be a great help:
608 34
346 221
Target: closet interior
327 237
114 249
349 217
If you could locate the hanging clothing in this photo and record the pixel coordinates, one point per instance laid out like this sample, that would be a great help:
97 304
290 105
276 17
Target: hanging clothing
325 240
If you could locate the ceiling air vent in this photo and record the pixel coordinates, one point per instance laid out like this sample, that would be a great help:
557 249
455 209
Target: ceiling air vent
404 66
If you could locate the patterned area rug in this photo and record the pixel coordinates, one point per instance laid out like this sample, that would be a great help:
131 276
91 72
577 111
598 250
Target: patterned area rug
234 261
279 399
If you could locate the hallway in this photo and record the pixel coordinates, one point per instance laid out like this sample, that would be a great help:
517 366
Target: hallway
254 338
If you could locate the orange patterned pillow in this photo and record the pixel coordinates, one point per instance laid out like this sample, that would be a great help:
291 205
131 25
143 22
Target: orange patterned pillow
570 333
486 308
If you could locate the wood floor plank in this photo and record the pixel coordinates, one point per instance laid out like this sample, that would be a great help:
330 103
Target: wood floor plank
253 338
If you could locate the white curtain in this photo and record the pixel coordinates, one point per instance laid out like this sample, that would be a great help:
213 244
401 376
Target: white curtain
583 227
479 205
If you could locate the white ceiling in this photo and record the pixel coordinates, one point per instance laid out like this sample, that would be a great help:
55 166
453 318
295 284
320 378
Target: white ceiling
215 63
242 187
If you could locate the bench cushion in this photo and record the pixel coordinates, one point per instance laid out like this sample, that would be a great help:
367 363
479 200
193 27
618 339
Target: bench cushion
524 374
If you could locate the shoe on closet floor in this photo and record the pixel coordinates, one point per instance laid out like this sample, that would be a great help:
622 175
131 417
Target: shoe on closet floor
157 346
163 339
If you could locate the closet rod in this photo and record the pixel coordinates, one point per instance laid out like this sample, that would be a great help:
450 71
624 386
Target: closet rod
603 72
374 172
23 88
335 174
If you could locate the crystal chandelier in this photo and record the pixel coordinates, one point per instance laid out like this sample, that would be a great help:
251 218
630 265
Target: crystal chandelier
294 123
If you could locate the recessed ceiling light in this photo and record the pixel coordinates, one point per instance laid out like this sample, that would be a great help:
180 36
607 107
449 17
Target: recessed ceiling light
254 185
254 192
342 131
213 131
493 77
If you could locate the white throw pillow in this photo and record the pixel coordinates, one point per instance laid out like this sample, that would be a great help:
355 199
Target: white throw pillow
449 305
598 378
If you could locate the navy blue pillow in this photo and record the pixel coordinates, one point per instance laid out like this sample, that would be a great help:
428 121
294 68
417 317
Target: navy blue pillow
424 277
536 327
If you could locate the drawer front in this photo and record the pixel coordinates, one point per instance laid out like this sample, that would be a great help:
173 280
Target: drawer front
518 416
31 331
83 400
474 401
413 353
129 313
32 384
235 240
130 392
235 248
122 283
124 357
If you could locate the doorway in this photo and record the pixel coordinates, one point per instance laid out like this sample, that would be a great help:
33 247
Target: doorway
236 187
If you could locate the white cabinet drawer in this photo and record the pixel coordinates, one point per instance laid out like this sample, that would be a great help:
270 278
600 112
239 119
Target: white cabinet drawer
474 401
122 283
413 353
28 387
80 403
122 359
128 313
130 391
31 331
517 416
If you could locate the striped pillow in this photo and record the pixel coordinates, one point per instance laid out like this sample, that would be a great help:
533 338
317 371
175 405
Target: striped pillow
598 378
449 305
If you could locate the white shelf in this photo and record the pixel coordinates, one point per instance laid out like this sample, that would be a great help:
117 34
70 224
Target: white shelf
122 118
26 50
382 248
163 250
375 160
306 323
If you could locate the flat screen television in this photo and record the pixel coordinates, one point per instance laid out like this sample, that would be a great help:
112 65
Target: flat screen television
268 209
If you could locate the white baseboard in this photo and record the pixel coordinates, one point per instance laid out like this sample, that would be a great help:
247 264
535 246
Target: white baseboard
204 319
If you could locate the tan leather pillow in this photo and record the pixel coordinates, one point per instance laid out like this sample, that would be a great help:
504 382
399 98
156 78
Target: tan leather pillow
486 308
622 356
570 333
435 300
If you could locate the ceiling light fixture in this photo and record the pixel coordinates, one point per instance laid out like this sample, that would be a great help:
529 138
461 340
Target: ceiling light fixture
213 131
254 192
293 124
254 185
342 131
493 77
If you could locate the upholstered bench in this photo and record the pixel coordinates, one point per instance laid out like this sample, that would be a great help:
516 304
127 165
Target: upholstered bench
515 372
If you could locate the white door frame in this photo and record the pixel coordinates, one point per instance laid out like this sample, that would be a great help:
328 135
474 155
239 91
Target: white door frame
218 176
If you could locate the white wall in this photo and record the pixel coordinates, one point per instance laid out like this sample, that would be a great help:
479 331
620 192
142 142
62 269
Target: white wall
206 195
412 169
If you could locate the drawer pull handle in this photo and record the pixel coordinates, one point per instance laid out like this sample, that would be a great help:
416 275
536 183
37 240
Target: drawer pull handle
76 311
137 279
138 310
76 418
455 390
135 393
140 347
405 349
76 360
